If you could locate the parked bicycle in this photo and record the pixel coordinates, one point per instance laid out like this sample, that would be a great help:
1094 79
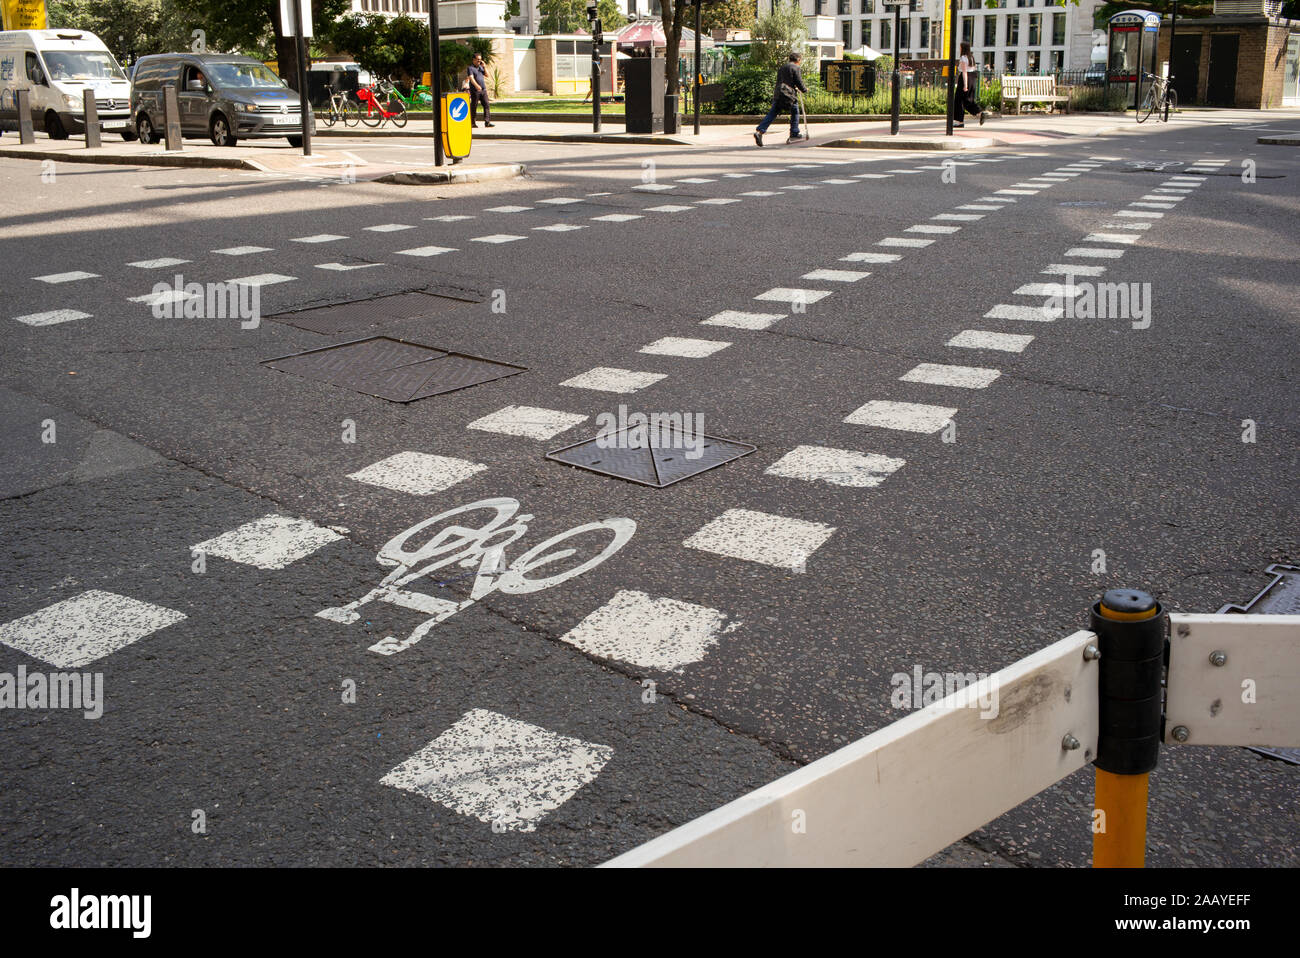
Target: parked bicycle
1160 96
381 104
341 109
420 97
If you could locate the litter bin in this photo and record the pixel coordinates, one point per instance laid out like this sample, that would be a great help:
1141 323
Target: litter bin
643 94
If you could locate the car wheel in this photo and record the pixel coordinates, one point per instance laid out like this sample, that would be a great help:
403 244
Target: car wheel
295 141
54 127
144 130
128 135
219 130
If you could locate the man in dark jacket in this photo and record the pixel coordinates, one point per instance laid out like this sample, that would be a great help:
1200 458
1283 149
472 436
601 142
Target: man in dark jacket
478 92
788 80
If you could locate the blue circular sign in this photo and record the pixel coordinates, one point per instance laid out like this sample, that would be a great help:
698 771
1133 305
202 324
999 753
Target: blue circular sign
459 108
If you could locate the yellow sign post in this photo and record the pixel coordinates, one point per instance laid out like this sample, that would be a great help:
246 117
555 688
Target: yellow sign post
456 133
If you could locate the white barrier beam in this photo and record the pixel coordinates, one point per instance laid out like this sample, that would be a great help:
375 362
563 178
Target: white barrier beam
1252 698
911 789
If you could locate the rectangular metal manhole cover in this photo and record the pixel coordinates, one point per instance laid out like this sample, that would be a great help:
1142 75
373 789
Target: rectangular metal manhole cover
365 313
393 369
655 457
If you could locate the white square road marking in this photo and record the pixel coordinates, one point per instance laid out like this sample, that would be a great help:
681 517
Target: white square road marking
499 770
697 179
903 416
1028 314
651 633
784 295
417 473
1153 206
761 537
1070 269
740 320
1110 238
1126 226
1015 192
872 176
834 275
1143 216
560 227
962 377
346 267
996 199
902 241
158 263
319 238
668 208
163 298
76 632
617 217
986 207
388 228
261 279
941 230
613 380
449 218
654 187
425 251
958 217
718 201
562 200
52 318
981 339
497 238
837 182
880 257
243 250
1162 198
738 176
271 542
1047 289
531 422
1099 252
72 277
799 186
841 467
760 193
688 348
507 209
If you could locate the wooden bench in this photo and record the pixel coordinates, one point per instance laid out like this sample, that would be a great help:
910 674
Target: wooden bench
1018 90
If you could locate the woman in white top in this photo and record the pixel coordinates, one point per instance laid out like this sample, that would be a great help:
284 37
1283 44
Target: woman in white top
964 98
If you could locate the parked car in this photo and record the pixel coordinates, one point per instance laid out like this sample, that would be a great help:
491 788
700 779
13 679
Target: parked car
56 67
225 97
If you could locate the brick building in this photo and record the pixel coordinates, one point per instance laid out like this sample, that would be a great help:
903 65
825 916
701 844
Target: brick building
1244 56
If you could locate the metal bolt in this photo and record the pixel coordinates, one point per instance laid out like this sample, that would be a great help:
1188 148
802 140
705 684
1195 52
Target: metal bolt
1184 631
1070 743
1218 657
1091 653
1181 734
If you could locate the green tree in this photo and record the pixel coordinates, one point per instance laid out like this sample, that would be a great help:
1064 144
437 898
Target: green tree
728 15
568 16
779 33
130 28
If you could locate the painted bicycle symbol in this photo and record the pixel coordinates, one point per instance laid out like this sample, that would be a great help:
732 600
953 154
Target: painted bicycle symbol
431 545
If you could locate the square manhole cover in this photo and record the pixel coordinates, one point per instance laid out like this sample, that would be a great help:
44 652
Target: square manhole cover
655 457
393 369
363 314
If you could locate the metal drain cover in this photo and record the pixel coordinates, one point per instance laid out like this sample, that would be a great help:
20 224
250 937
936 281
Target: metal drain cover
362 314
393 369
656 457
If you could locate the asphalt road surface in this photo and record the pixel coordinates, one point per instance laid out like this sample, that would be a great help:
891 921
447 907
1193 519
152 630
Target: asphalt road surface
948 471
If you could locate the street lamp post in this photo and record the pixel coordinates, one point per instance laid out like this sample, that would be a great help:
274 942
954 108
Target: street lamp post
435 82
597 37
897 77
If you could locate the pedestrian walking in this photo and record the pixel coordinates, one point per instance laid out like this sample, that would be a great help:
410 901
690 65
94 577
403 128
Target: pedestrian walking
964 100
789 84
478 91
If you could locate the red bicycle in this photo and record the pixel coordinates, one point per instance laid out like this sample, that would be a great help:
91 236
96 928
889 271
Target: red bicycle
381 104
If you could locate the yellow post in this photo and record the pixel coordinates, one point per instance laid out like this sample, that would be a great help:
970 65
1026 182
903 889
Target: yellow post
1120 797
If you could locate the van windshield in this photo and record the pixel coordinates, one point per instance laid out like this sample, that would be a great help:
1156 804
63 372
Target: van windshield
82 65
248 75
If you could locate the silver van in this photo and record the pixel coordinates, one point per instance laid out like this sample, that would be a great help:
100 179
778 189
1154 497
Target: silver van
221 96
56 67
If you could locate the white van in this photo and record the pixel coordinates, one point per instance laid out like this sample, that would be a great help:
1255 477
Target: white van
58 66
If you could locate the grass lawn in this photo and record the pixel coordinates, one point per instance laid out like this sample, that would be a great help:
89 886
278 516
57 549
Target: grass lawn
553 105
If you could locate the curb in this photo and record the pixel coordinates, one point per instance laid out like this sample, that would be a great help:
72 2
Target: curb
635 139
900 143
455 174
140 159
1279 140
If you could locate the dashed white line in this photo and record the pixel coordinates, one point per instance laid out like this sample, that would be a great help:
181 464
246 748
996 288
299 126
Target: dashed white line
761 537
684 347
425 251
961 377
531 422
613 380
982 339
903 416
835 275
52 318
841 467
741 320
71 277
417 473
